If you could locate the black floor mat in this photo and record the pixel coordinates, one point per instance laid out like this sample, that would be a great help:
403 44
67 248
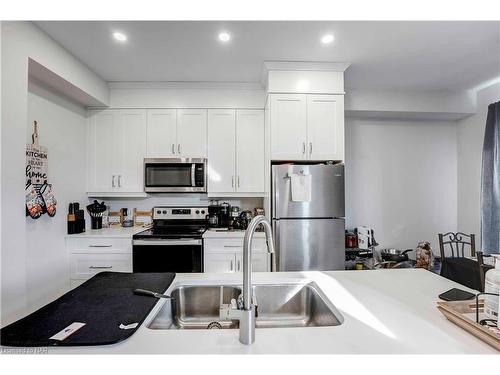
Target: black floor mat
102 303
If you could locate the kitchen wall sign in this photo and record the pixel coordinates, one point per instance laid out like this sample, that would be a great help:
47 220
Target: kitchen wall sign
40 198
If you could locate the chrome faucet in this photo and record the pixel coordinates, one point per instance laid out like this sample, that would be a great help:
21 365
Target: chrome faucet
246 314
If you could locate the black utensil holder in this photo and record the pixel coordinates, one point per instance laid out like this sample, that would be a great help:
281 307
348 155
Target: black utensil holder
96 222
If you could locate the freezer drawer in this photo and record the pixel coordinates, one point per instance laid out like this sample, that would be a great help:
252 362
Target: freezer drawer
310 244
327 191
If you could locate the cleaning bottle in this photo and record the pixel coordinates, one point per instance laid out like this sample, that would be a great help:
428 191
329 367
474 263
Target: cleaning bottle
492 285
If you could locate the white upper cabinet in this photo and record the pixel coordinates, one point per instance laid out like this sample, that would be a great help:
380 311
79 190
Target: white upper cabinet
221 150
162 133
250 150
177 133
325 127
117 147
307 127
102 146
288 126
235 151
192 133
132 150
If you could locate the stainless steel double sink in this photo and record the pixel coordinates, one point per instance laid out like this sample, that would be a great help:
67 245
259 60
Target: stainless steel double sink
279 305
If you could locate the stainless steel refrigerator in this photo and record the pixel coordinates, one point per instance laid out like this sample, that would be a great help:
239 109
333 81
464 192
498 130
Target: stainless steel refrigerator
309 235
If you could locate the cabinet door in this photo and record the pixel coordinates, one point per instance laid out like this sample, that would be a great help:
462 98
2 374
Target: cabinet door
259 262
191 133
103 144
250 151
325 127
162 133
132 150
221 150
220 262
288 126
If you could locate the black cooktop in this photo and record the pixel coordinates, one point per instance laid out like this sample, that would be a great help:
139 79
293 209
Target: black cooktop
171 233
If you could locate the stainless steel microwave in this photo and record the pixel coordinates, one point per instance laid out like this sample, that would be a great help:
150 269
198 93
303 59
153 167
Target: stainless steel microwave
175 175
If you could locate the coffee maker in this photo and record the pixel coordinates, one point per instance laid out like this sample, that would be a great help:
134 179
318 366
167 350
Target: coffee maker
213 215
225 215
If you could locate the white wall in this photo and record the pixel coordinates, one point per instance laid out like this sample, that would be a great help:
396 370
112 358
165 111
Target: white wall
470 147
62 129
410 105
21 41
186 95
401 179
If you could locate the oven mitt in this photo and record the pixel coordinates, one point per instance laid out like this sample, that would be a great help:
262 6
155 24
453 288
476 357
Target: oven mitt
34 202
49 199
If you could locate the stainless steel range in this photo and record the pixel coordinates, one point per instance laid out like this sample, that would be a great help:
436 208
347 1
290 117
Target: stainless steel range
174 243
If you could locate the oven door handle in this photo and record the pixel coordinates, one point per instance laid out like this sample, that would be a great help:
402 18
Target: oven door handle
160 242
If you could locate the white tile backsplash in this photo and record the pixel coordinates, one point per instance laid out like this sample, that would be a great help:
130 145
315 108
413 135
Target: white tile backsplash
176 200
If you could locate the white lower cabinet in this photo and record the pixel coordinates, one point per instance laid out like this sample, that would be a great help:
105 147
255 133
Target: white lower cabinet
90 255
225 255
84 266
219 262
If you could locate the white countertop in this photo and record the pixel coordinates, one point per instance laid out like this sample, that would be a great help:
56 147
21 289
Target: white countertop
129 232
108 232
213 233
385 311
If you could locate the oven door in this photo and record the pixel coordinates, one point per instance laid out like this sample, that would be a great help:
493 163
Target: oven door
175 175
167 255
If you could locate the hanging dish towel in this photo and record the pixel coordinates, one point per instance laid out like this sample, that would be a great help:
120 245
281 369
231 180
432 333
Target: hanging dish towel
301 187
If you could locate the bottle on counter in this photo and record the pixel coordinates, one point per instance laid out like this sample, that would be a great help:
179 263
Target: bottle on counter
492 285
71 219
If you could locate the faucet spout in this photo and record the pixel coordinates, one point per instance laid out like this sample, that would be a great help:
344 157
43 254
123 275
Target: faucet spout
246 314
247 323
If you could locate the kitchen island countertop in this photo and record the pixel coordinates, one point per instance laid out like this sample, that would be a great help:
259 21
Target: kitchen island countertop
384 311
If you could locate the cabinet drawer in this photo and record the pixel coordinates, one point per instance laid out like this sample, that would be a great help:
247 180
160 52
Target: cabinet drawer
100 245
84 266
232 245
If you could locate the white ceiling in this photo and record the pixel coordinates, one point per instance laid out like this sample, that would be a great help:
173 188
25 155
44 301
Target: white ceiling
385 55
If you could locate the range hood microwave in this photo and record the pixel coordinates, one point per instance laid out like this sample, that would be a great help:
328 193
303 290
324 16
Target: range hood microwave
175 175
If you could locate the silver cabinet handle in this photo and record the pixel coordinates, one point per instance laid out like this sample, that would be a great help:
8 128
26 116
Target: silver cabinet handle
100 267
100 245
310 148
232 181
238 181
173 149
303 147
239 265
179 148
113 181
119 180
231 246
231 265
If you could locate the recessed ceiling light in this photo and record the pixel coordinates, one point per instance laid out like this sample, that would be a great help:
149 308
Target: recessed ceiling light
224 37
120 37
327 38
